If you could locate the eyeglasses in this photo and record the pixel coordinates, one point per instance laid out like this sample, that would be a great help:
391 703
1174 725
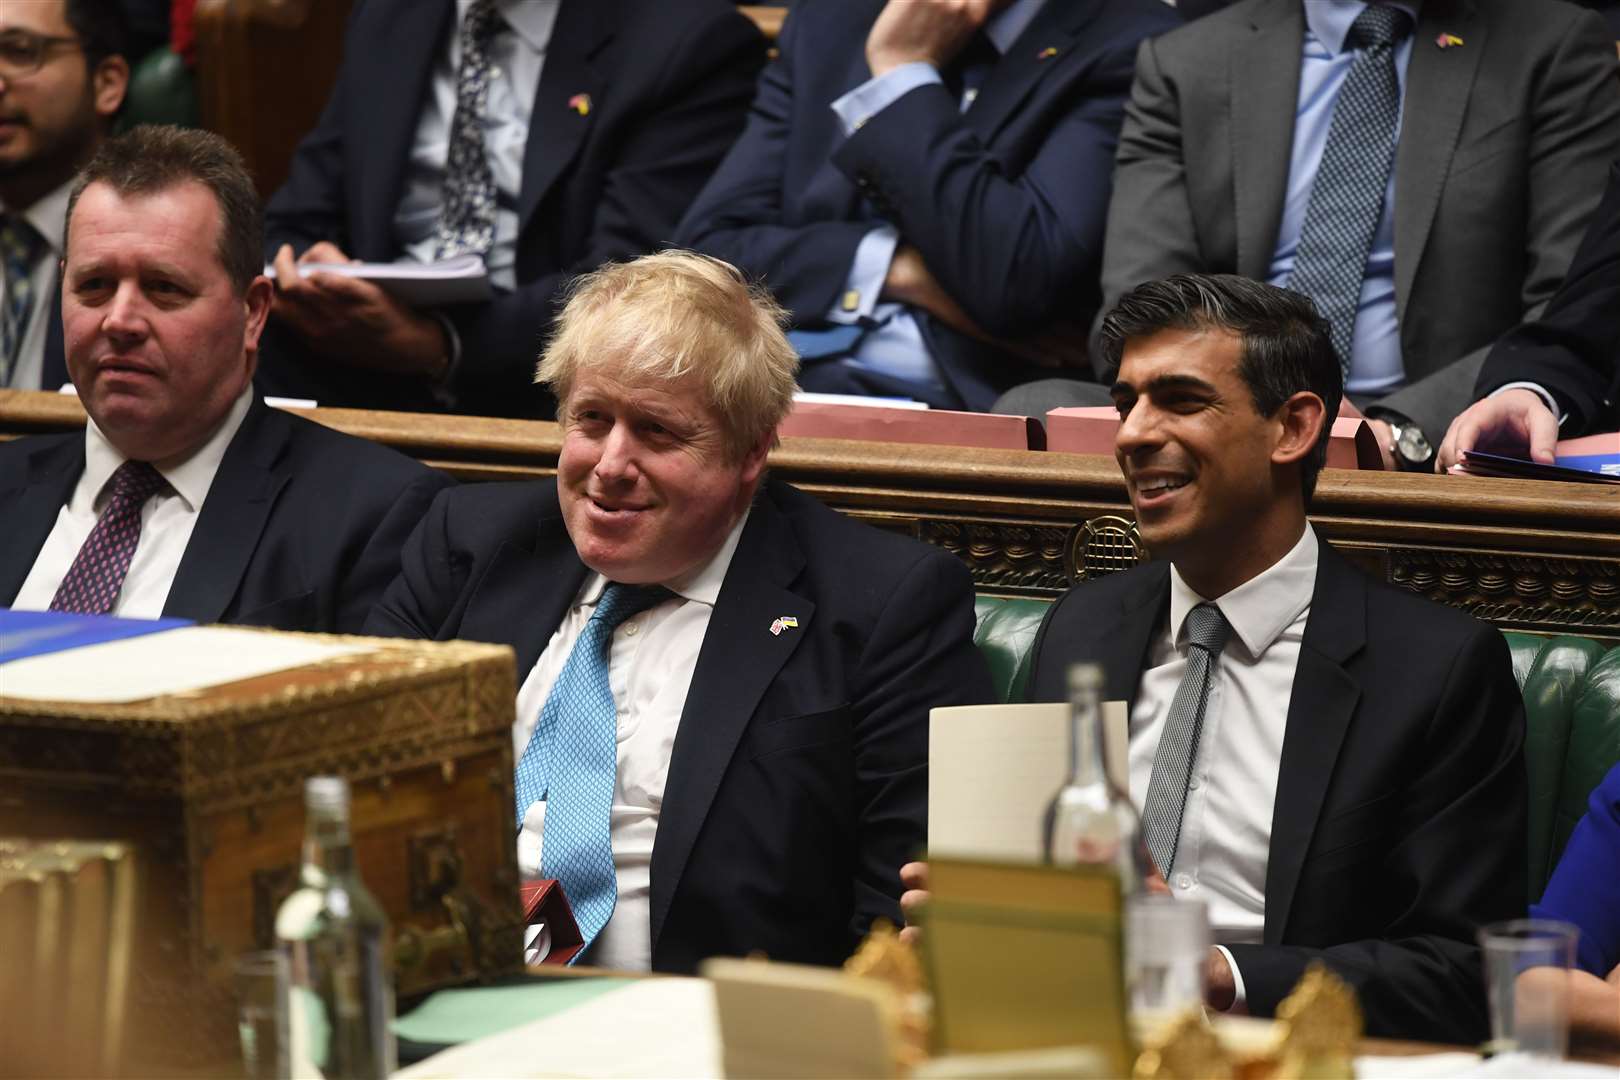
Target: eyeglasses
22 52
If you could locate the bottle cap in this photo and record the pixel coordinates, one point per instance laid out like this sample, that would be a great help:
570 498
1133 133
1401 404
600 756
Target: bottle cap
1085 677
329 793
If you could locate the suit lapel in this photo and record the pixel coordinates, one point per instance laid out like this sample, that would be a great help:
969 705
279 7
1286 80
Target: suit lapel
1124 650
1026 63
1320 709
1438 85
557 127
40 488
525 593
739 660
227 533
55 371
403 63
1264 75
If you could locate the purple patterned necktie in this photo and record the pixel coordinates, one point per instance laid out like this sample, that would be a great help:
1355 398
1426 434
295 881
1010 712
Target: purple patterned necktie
96 577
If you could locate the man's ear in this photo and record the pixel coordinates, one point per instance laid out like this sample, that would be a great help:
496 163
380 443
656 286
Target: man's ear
1300 420
256 302
109 83
753 462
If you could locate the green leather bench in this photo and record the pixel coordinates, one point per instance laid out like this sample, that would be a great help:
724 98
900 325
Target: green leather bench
1571 689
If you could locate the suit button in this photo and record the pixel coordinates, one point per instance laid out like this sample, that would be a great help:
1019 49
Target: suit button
1184 881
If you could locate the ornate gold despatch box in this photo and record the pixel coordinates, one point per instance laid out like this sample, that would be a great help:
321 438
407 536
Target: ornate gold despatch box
207 788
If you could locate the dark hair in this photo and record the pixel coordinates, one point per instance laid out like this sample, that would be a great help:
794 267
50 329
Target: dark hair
1286 343
153 158
101 28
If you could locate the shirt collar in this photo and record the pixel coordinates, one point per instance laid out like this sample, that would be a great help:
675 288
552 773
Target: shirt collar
1330 20
701 585
48 216
1005 26
190 479
1261 608
531 19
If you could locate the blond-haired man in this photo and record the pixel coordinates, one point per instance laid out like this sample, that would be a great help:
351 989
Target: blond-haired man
735 758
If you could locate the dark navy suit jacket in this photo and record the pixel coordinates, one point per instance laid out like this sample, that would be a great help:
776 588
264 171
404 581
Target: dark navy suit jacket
797 785
1006 201
1399 826
668 84
301 529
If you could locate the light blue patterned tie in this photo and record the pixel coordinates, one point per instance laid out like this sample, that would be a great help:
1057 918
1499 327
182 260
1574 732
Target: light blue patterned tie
571 761
1347 196
20 248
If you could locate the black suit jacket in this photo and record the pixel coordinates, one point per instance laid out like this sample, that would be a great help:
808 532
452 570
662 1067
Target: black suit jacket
668 85
1573 349
797 784
301 529
1399 826
1006 201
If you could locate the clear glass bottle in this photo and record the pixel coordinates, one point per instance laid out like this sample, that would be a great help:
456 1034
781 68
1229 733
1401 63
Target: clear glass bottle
341 990
1090 820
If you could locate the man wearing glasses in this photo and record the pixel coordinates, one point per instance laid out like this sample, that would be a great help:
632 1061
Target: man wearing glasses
62 79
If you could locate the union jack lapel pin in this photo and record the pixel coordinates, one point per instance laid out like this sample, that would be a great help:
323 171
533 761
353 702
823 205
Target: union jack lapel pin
784 622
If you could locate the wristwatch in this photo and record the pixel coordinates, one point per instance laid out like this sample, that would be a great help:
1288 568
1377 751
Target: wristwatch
1409 446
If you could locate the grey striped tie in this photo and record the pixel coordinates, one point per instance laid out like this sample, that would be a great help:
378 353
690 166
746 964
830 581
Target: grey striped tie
1207 630
467 218
1347 197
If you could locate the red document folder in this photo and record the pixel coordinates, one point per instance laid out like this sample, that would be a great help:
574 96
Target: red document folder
543 901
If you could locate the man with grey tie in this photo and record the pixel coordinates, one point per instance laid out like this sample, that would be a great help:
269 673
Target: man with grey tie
1333 766
1423 169
544 136
62 80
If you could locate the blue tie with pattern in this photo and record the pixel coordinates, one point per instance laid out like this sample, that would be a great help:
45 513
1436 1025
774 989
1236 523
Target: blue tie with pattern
1347 196
571 761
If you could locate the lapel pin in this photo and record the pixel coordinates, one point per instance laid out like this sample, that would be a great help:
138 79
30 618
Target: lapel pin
1448 41
581 103
1047 53
785 622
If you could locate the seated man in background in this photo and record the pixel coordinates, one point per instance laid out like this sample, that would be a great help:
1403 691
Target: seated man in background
1424 172
1572 352
186 495
546 136
923 184
722 725
62 80
1334 766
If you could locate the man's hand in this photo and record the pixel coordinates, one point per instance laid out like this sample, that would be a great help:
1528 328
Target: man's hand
914 876
1220 990
355 322
909 281
930 31
1511 422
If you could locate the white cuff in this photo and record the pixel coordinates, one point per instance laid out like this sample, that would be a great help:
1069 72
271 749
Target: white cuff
1240 1002
858 106
1540 391
866 275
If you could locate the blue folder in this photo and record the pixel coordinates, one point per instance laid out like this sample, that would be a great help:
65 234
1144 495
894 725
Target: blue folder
33 633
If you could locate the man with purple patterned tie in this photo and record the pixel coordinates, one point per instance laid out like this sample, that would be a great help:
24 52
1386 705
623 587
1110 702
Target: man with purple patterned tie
186 496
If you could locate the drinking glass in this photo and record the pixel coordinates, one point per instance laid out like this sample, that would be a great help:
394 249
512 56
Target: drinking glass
261 1016
1166 945
1527 965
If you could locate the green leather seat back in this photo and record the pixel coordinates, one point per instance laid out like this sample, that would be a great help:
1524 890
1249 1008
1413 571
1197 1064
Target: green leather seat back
162 90
1571 690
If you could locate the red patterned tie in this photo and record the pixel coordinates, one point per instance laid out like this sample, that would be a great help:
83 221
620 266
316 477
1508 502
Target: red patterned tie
94 580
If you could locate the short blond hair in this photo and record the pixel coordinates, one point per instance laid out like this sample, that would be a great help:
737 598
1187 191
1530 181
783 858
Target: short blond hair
676 315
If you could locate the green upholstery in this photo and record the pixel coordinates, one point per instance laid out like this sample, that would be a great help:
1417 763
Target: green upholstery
1571 692
161 91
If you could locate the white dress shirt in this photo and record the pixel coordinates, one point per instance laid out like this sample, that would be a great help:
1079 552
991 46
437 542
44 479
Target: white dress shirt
650 665
517 51
47 217
1226 823
166 521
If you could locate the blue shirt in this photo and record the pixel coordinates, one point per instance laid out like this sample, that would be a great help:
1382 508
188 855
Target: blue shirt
1585 888
894 345
1375 351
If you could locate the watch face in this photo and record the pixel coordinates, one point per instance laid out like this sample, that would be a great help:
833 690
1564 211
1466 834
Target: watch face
1412 445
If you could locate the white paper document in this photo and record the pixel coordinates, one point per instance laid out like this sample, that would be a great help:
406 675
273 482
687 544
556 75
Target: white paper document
450 281
171 662
993 768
